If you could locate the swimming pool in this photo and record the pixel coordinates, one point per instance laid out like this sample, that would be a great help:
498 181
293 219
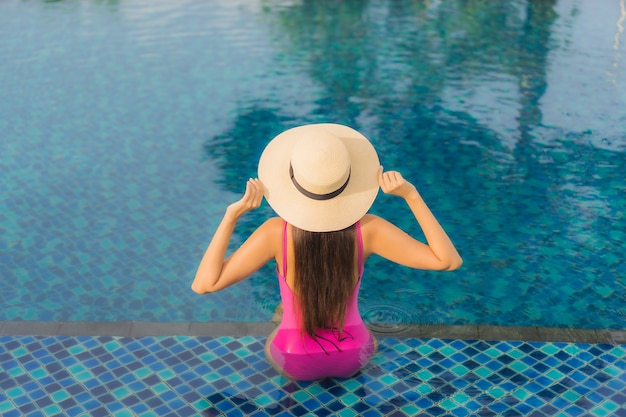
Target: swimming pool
126 127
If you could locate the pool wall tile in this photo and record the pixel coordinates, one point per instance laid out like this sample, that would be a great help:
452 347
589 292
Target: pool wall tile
189 375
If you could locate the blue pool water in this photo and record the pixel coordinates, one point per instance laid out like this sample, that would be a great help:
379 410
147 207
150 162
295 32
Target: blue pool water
126 127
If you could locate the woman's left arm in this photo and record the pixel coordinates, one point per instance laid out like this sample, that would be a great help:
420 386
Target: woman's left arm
215 272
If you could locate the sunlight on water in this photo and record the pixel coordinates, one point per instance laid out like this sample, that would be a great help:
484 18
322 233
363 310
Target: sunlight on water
127 127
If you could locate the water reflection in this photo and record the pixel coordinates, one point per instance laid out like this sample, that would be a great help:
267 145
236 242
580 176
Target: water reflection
452 95
508 116
613 72
237 151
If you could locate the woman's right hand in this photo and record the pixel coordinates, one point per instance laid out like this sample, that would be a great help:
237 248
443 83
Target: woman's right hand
251 199
392 182
216 271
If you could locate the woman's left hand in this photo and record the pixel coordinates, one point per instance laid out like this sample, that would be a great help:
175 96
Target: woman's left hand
251 199
392 182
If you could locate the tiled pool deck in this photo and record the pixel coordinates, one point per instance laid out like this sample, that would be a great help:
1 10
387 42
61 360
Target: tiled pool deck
211 369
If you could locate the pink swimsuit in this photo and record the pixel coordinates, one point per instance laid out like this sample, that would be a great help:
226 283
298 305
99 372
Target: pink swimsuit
331 354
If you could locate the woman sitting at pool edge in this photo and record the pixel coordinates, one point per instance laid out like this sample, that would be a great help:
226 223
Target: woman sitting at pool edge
321 180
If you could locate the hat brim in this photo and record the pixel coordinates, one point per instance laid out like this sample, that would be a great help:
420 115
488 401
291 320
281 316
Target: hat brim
314 215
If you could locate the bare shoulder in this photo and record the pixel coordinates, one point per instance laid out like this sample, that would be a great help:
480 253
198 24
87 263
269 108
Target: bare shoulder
370 223
374 229
381 236
272 226
271 231
266 238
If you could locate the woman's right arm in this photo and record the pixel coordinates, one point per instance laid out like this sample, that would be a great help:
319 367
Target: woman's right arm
216 271
388 241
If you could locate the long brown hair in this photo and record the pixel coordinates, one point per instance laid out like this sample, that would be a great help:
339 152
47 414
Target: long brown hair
325 276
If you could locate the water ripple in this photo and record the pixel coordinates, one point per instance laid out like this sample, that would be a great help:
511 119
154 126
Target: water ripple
388 319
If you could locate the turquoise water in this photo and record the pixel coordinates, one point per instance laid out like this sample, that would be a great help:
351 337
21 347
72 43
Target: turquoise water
126 127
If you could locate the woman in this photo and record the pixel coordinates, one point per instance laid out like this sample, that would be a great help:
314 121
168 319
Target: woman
321 180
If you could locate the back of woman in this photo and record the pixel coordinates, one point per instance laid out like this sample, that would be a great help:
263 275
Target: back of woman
321 180
321 333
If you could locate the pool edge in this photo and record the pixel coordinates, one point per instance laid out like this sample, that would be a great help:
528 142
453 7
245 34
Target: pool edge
214 329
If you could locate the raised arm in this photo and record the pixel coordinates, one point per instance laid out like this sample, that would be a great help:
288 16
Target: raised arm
388 241
215 272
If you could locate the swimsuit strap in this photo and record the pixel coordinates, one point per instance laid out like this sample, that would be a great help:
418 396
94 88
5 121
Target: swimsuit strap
285 249
359 239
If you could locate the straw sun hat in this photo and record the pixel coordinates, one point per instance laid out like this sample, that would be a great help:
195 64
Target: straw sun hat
320 177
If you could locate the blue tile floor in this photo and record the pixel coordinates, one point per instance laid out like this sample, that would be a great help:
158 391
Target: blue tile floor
211 376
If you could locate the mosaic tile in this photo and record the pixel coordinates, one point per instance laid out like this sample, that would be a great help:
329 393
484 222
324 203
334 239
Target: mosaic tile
185 375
